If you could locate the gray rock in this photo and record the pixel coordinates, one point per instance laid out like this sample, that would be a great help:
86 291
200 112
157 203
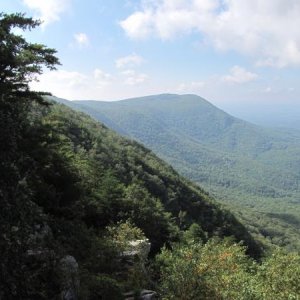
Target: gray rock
70 278
144 295
140 248
148 295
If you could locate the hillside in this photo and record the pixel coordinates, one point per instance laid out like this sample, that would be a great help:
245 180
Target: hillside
253 169
67 179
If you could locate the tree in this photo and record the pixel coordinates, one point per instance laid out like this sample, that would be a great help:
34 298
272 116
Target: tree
216 270
278 277
21 61
220 269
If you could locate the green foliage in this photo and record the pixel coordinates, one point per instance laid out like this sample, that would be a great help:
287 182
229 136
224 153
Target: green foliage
21 61
122 233
24 272
213 271
179 278
221 270
279 276
253 170
102 287
84 178
195 234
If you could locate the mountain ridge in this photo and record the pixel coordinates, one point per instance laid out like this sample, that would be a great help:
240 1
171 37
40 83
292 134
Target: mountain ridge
231 158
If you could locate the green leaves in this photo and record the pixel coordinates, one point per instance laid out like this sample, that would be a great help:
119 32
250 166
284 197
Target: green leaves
21 61
221 270
9 21
279 276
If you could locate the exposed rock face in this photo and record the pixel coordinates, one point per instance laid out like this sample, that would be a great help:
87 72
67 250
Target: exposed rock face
70 278
140 248
136 254
144 295
148 295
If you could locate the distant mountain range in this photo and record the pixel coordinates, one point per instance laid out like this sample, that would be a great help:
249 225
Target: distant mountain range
284 114
255 170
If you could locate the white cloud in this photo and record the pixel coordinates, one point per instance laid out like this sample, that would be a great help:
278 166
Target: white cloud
97 84
139 24
267 30
192 87
73 84
81 39
134 78
129 61
126 63
102 78
61 83
239 75
48 10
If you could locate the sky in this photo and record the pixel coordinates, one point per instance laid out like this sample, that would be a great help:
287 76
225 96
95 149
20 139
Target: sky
227 51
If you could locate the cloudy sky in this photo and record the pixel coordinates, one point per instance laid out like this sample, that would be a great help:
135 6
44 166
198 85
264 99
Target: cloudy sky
224 50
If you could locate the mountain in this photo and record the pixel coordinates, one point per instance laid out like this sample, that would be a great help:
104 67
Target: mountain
74 193
254 170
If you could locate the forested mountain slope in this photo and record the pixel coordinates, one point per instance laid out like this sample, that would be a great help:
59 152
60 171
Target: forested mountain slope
246 165
75 177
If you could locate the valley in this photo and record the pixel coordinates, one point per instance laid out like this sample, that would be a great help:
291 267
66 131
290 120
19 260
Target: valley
252 169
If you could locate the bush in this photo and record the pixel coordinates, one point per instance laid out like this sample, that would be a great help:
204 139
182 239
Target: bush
104 288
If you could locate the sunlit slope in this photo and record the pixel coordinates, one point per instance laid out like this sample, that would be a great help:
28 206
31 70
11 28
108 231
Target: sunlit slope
244 164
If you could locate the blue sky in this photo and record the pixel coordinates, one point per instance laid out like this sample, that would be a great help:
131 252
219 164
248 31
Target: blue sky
228 51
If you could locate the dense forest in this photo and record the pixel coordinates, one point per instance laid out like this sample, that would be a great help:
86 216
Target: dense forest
76 198
253 170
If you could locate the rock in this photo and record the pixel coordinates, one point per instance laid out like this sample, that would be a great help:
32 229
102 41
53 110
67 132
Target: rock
148 295
140 248
144 295
41 231
70 278
69 295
